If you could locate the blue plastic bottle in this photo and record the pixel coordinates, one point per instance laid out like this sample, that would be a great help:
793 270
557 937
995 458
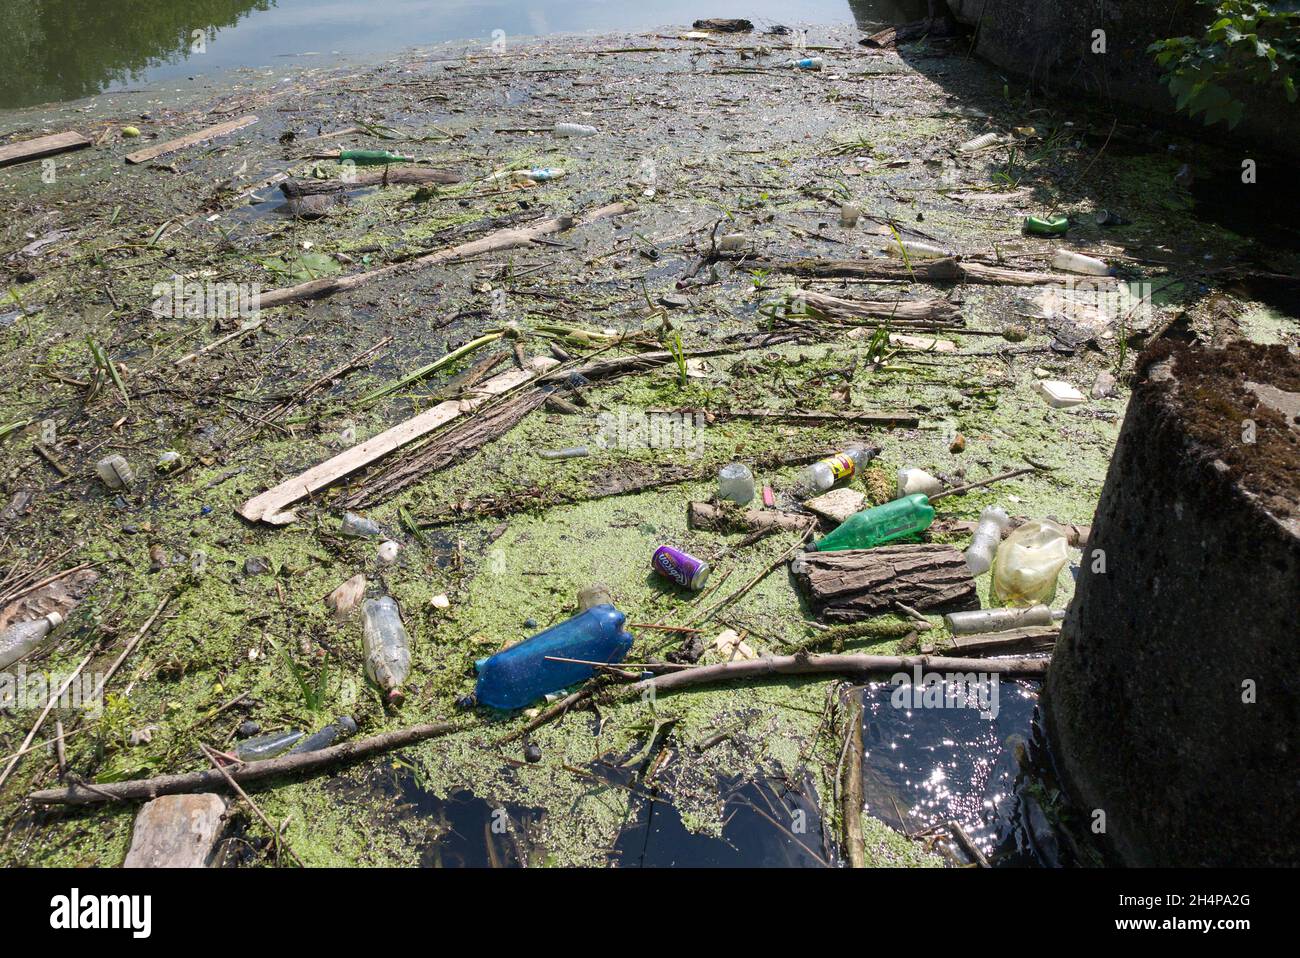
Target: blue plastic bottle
522 674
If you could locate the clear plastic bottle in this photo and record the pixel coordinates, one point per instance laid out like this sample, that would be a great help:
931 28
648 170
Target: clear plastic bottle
387 646
988 535
526 672
1072 262
824 473
881 524
999 620
849 213
917 250
355 525
807 63
572 452
262 747
736 483
986 139
22 638
574 129
1028 562
595 594
341 727
115 472
912 481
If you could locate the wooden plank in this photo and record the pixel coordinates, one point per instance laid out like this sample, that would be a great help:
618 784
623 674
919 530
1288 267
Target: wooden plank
272 506
171 146
1030 639
42 146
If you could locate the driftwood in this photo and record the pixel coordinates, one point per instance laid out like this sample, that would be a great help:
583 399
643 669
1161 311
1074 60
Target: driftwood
171 146
932 312
148 789
946 270
852 784
447 448
851 665
704 515
42 146
272 506
883 420
492 243
857 583
1038 638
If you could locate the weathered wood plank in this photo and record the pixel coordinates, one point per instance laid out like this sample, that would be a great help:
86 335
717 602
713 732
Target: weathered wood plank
171 146
43 146
272 506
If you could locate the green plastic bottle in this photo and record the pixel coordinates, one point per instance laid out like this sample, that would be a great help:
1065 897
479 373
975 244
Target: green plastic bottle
373 157
876 526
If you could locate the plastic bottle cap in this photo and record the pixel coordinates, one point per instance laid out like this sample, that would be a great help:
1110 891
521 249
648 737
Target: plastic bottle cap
396 697
55 620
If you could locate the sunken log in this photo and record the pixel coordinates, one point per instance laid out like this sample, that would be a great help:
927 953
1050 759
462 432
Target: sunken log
859 583
1172 707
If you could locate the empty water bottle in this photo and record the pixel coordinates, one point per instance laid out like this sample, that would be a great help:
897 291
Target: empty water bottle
824 473
115 472
1073 262
574 129
387 646
355 525
23 638
873 527
595 594
999 620
912 481
988 534
807 63
262 747
341 727
524 673
1028 562
736 483
914 249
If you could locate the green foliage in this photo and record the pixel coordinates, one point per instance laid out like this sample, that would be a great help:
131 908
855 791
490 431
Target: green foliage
1248 42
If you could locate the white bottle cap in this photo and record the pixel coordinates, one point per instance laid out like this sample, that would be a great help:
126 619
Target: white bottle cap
55 620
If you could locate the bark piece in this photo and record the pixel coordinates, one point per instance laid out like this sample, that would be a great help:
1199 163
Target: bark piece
858 583
176 831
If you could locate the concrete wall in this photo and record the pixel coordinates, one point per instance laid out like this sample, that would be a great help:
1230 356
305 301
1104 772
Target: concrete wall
1144 703
1050 42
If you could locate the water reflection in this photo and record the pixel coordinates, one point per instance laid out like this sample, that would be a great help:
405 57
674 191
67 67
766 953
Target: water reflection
65 49
924 767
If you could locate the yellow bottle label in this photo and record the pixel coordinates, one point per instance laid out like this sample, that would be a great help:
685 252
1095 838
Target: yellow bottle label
841 465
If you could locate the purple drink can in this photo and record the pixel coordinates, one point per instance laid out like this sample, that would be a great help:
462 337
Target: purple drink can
684 569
